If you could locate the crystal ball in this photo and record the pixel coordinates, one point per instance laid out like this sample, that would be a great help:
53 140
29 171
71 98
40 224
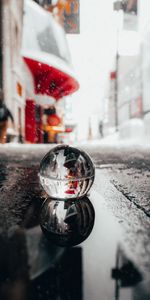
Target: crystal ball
67 223
66 172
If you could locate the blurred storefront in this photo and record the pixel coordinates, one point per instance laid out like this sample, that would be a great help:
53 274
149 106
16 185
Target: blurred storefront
36 70
48 65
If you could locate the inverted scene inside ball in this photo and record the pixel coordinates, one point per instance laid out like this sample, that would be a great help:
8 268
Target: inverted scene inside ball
66 172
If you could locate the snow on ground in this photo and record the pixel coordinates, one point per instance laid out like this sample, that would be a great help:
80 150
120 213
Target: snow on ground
115 141
108 146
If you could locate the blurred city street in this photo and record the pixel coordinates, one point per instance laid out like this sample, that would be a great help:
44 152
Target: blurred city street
72 80
74 224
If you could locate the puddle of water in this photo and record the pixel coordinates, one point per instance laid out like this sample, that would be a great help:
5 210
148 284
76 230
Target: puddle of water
97 268
99 254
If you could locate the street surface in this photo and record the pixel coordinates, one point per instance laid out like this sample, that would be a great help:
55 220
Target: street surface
121 199
123 178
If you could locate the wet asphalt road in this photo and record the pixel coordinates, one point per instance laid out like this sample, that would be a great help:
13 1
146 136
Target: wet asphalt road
122 180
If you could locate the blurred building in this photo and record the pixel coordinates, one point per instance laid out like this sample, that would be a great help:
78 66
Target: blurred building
109 119
12 81
1 46
129 80
128 91
125 107
144 31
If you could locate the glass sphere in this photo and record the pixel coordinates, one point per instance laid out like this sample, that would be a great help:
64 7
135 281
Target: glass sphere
66 172
67 223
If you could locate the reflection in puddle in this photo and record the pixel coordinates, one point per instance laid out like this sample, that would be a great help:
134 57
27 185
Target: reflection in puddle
64 281
125 273
34 267
67 223
99 255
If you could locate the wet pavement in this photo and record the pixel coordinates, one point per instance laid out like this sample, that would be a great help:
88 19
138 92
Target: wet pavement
109 229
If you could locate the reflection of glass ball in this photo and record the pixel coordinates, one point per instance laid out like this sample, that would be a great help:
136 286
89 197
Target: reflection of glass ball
67 223
66 172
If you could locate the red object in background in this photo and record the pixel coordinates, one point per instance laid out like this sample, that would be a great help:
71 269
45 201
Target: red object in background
51 81
69 129
30 121
113 75
53 120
